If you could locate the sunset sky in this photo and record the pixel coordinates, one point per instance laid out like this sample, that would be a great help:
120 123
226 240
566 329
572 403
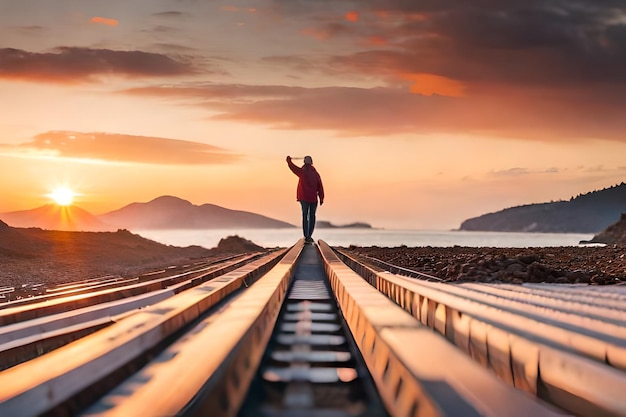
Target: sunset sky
418 114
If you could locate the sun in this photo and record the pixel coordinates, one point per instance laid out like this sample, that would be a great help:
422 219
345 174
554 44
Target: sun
62 196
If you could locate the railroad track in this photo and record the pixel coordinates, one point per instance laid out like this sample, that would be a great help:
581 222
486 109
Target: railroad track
313 331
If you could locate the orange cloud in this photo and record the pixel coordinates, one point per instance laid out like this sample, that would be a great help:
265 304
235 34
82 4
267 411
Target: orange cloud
352 16
429 84
318 34
104 21
236 9
417 17
122 148
383 14
529 114
377 41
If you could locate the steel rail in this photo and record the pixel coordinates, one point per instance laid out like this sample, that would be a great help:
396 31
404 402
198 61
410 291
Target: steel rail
583 295
49 292
17 311
34 293
41 292
566 365
74 375
595 308
417 372
25 340
170 285
217 359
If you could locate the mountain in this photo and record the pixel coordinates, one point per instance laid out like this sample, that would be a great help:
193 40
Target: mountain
55 217
615 234
167 212
586 213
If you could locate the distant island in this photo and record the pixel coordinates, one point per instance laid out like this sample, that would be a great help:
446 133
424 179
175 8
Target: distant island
323 224
586 213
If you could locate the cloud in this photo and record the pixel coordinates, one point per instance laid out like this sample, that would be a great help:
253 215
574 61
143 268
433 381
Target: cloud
162 29
327 31
537 42
32 29
73 64
429 84
104 21
511 172
121 148
352 16
538 69
384 111
237 9
550 59
169 14
175 48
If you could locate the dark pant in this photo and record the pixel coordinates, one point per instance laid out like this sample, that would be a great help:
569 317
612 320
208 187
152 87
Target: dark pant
308 217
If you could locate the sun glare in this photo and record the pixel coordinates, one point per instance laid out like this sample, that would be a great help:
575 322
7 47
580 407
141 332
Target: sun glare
62 196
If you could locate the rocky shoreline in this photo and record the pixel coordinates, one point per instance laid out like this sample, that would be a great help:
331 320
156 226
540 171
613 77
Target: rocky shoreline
563 265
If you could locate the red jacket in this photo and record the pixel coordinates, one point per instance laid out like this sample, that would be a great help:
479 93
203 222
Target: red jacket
309 183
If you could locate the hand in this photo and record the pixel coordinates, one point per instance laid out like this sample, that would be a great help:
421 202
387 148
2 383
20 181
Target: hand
288 159
321 202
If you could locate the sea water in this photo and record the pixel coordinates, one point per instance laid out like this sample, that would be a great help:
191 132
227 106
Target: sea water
270 238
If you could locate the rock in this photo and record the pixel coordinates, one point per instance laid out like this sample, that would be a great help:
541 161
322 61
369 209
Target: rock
236 244
528 258
513 268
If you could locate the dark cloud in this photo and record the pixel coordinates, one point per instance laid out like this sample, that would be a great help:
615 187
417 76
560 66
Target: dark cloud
539 42
72 64
169 14
32 28
507 42
124 148
176 48
162 29
547 69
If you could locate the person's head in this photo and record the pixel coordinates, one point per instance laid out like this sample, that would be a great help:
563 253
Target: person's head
308 160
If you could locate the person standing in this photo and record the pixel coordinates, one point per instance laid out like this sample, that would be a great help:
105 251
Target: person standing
309 189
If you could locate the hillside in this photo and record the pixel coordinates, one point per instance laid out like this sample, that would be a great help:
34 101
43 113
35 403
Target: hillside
615 234
169 212
35 255
586 213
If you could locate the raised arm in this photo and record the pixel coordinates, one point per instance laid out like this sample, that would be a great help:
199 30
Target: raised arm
293 167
